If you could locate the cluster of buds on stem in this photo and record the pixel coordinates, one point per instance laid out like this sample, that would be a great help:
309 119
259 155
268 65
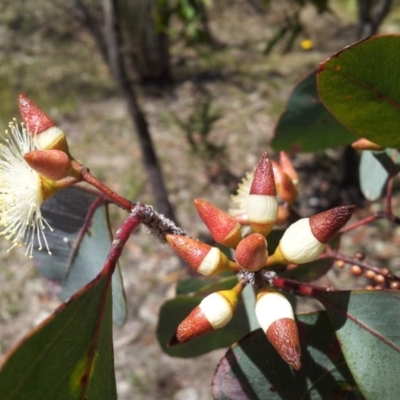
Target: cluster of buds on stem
304 241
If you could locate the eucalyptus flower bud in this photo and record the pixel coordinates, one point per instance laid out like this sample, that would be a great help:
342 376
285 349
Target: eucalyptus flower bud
262 205
214 312
306 239
53 164
275 315
224 228
251 253
288 168
204 259
288 191
46 135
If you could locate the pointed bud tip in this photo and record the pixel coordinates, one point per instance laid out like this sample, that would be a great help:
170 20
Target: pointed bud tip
283 335
35 119
287 167
365 144
193 326
263 181
224 228
287 190
173 341
327 224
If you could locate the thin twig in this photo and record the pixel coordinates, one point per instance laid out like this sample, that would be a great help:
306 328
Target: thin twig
91 180
331 253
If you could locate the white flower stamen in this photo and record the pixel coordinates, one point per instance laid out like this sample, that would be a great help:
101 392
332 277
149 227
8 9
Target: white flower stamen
21 194
240 199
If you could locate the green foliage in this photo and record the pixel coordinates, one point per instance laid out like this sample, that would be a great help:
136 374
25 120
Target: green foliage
252 369
70 355
376 167
359 86
306 125
79 241
190 14
367 324
198 127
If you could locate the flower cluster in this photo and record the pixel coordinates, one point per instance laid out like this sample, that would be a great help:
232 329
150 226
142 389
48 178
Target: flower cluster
34 162
246 232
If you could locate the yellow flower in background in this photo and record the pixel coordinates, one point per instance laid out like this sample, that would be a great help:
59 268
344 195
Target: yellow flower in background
22 192
307 44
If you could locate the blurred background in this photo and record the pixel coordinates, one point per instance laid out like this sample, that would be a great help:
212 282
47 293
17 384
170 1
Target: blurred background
166 101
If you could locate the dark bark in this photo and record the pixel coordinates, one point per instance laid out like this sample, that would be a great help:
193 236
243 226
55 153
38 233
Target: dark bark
146 42
113 41
92 25
371 13
109 44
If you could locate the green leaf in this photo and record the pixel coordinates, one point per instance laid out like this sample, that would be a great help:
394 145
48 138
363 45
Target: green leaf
252 368
88 261
360 86
306 125
367 324
375 168
373 176
204 285
69 355
79 246
174 311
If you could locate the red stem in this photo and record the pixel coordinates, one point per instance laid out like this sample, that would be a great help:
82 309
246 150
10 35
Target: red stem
361 222
112 196
389 193
331 253
121 237
300 288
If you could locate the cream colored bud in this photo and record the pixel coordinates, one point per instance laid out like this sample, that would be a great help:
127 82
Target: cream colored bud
298 244
272 306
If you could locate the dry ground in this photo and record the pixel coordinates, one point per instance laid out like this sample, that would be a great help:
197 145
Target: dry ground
250 94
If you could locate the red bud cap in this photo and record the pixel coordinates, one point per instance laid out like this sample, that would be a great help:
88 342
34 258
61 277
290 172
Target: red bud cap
214 312
288 168
277 170
263 181
275 316
365 144
41 126
53 164
262 205
193 326
287 190
224 228
35 119
327 224
205 259
252 252
283 215
283 335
